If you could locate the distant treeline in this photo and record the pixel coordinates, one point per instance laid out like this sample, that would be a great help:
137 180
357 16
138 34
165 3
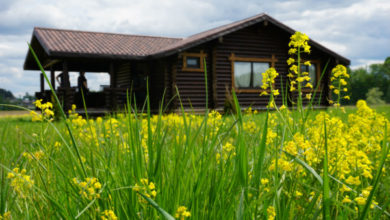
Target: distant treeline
371 83
6 97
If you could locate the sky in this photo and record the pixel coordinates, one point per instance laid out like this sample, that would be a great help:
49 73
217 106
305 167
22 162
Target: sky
358 30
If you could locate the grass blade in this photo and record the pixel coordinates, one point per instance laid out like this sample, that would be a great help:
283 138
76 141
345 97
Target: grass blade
157 207
385 151
326 190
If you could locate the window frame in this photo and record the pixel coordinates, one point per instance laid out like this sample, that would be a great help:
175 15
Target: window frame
201 55
233 58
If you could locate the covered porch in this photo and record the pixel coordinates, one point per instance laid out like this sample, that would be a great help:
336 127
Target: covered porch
65 52
110 97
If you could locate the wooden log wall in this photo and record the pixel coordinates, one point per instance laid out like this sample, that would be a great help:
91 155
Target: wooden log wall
257 41
123 75
191 84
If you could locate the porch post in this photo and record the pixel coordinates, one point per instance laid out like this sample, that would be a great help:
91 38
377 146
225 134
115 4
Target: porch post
42 83
65 74
67 97
113 92
52 78
112 75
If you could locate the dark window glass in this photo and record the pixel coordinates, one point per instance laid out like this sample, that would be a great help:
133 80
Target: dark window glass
193 62
249 74
312 73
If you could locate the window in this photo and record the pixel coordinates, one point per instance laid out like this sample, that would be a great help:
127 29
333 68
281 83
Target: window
193 62
248 74
313 71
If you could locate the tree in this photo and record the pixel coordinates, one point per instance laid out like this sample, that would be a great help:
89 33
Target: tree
374 96
363 79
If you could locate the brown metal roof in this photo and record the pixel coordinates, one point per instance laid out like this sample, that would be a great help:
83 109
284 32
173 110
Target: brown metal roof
71 43
215 33
58 42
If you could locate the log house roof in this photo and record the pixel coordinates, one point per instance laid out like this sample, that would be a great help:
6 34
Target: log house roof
71 43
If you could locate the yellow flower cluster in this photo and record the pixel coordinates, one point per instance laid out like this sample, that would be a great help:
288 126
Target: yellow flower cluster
108 215
5 216
339 83
250 111
250 127
20 182
37 155
354 148
182 213
299 41
228 151
298 44
214 119
147 188
271 213
46 111
268 80
89 188
264 184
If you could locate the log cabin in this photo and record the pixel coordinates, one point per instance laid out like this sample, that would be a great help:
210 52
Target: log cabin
235 55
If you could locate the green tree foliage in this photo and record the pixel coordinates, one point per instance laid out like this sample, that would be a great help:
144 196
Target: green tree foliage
363 79
374 96
5 94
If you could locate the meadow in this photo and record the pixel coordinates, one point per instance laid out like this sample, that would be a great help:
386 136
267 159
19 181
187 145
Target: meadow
276 164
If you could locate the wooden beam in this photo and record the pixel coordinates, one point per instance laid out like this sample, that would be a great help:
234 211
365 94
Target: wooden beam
52 78
42 83
50 63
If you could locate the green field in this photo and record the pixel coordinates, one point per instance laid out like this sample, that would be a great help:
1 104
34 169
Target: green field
279 164
216 167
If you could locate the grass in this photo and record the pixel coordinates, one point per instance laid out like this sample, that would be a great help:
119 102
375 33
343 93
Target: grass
179 155
272 165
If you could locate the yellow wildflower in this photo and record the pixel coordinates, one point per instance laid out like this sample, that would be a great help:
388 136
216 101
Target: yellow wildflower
290 61
182 213
269 77
292 51
346 199
6 216
147 188
108 215
360 200
353 180
271 213
89 188
264 181
20 182
263 93
309 85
